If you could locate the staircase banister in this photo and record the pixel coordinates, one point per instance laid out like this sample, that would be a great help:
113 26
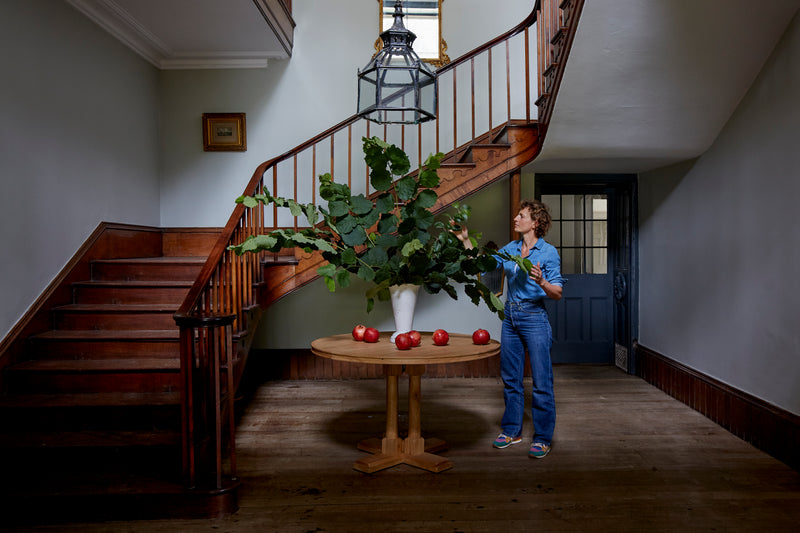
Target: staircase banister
299 148
519 28
224 239
263 167
227 232
183 315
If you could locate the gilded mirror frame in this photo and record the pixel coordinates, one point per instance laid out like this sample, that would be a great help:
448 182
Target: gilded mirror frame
438 59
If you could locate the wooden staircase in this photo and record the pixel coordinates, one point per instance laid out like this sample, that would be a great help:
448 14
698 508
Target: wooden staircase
111 411
463 172
499 88
92 408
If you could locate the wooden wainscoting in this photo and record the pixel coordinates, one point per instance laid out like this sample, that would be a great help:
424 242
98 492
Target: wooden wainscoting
765 426
301 364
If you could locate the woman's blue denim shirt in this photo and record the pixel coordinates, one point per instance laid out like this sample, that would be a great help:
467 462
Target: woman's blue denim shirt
520 286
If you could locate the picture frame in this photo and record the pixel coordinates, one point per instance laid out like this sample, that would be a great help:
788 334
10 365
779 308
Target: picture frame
224 132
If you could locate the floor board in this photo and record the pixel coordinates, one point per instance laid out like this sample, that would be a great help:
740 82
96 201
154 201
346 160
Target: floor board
626 457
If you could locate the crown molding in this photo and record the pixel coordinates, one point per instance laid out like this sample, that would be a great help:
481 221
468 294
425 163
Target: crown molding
120 24
116 21
215 61
280 21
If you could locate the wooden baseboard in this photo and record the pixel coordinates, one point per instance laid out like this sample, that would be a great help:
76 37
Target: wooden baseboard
767 427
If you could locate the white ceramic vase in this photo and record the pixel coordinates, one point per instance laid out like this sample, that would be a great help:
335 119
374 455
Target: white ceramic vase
404 299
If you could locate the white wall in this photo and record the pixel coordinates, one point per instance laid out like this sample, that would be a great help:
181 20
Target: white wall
78 144
719 237
467 24
289 101
286 104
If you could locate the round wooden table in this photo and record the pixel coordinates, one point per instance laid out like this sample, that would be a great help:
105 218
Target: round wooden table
392 450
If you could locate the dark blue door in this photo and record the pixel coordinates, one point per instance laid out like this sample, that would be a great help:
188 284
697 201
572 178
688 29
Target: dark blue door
583 320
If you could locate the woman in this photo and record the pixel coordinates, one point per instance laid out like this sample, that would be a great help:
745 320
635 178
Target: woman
526 327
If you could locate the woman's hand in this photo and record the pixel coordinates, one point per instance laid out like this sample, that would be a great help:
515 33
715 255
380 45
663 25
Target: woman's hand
463 236
552 291
536 274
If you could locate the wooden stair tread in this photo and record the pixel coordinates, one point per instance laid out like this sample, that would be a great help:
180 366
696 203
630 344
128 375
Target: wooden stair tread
466 156
99 365
196 259
134 283
110 334
457 165
95 399
280 260
89 438
502 146
118 308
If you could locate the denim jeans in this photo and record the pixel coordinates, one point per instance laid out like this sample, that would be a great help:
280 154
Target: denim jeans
526 327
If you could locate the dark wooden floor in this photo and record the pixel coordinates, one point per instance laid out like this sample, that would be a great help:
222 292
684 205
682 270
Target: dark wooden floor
626 457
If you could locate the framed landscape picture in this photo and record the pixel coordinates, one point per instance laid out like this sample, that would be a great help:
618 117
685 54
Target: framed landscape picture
224 132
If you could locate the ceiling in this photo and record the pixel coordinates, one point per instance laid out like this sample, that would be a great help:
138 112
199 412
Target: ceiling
647 84
182 34
651 83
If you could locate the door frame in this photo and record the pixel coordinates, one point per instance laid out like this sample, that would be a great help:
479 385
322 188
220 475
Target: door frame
623 248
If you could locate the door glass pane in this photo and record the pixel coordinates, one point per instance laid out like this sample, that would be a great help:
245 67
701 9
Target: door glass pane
572 261
579 231
596 261
597 233
572 234
572 207
554 235
553 203
599 207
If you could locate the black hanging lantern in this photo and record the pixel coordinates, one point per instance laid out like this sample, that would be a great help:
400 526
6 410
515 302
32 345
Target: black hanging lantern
396 86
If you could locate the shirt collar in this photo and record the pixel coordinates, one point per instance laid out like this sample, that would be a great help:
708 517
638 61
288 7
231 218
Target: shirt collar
538 245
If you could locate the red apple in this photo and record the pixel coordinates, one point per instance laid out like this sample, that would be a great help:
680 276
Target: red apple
415 337
440 337
371 335
480 336
403 341
358 332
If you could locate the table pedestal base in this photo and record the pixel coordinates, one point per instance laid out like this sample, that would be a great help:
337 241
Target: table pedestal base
393 454
393 450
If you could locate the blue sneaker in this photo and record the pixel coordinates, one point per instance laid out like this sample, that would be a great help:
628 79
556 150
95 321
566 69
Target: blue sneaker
504 441
539 450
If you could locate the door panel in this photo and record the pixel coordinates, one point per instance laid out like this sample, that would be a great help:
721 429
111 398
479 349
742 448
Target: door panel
582 320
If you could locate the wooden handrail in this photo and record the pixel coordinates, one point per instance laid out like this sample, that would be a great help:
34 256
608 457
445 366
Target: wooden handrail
226 285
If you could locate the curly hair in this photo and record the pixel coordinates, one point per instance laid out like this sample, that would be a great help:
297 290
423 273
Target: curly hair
540 213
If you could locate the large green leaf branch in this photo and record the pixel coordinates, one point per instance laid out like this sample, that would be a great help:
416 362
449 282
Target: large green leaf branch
390 239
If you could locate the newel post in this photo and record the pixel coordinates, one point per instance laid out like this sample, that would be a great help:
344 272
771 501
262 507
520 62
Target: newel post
207 415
